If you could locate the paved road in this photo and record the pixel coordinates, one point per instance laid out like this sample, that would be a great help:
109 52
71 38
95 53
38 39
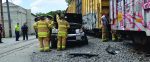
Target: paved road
17 51
26 51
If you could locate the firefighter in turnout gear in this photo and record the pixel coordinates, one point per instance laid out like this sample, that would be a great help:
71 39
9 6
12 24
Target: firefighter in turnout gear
115 36
51 22
35 28
43 34
105 29
63 26
50 25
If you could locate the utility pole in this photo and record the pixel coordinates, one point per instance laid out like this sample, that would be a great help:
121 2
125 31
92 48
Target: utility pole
10 33
2 17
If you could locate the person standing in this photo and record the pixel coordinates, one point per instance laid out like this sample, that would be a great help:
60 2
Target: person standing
43 34
115 36
50 24
1 31
17 29
105 28
24 30
63 26
36 20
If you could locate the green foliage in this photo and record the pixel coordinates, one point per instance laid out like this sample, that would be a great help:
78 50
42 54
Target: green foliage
68 1
52 13
41 14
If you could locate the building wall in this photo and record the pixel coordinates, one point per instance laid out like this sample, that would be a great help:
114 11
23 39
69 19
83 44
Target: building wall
18 15
31 22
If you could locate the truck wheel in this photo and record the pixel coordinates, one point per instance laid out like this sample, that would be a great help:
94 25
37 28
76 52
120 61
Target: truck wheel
53 42
85 40
139 40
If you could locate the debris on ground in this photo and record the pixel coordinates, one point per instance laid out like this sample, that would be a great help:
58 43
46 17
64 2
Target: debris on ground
112 50
87 55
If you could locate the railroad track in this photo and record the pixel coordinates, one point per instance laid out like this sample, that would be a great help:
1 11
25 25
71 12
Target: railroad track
15 47
18 42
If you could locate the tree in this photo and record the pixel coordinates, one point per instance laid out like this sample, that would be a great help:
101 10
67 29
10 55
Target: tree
52 13
68 1
40 14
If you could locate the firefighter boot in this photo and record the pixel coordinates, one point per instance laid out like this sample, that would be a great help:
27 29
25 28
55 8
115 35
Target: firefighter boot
58 48
47 45
63 43
113 37
41 49
41 46
47 49
63 47
59 43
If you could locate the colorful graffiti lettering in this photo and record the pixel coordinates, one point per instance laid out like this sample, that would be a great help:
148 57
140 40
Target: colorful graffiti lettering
132 14
148 26
138 5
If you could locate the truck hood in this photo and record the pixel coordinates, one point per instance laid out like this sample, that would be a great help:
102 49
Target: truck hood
74 18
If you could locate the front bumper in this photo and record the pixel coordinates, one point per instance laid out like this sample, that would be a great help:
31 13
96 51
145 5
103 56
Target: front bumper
71 37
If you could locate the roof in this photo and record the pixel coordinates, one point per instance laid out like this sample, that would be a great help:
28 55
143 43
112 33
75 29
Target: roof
10 4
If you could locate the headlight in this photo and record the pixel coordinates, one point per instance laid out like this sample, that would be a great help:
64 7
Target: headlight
54 30
79 31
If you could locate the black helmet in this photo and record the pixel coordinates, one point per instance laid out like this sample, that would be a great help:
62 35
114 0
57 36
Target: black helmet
62 16
49 17
37 19
42 18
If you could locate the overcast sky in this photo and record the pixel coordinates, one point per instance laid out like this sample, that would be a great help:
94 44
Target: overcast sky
41 5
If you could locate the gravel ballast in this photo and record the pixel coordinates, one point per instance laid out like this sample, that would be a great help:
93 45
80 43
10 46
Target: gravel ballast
95 46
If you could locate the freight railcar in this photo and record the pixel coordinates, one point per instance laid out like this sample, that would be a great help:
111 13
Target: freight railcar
131 18
92 11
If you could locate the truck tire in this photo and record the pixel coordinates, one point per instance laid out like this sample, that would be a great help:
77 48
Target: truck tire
139 40
53 42
84 40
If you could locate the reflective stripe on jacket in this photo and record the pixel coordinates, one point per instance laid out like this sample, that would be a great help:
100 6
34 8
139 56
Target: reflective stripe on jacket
17 28
63 26
61 33
51 23
42 28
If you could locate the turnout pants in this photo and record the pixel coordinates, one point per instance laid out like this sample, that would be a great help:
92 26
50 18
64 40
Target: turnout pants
44 43
61 40
104 34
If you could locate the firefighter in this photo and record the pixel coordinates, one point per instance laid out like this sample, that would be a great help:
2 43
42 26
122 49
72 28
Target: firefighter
36 20
17 30
115 36
50 24
63 26
43 34
105 29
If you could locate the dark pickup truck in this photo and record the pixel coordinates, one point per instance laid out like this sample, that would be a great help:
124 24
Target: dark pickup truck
76 34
